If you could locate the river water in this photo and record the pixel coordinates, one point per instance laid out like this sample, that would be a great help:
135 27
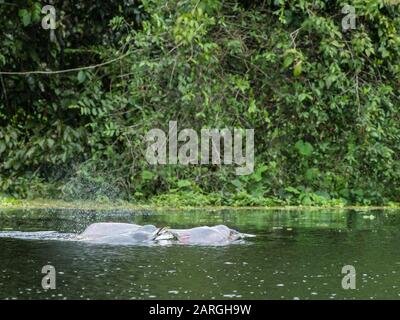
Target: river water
295 255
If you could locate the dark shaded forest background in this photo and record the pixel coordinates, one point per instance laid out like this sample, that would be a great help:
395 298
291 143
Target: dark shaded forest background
324 102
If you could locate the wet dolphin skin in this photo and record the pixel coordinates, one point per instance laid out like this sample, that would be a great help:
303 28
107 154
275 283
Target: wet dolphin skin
132 234
125 233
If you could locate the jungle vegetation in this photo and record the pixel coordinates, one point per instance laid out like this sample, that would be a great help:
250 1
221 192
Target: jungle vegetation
324 102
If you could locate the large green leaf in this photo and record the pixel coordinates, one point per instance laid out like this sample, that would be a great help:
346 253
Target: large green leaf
304 148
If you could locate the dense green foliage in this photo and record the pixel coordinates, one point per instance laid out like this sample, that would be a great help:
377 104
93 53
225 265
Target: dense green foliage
324 102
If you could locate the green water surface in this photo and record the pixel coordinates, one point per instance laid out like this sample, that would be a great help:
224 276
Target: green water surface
296 255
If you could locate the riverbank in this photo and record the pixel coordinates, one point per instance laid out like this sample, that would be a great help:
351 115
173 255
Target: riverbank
9 203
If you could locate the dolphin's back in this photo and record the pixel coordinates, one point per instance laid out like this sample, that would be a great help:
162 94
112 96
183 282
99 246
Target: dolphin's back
99 230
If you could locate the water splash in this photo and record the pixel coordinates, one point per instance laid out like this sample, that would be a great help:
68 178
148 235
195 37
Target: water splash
38 235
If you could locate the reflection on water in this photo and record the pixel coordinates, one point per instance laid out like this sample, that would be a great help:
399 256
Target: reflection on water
296 255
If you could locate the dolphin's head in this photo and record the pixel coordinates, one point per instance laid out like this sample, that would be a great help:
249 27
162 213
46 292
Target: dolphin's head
222 228
232 234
